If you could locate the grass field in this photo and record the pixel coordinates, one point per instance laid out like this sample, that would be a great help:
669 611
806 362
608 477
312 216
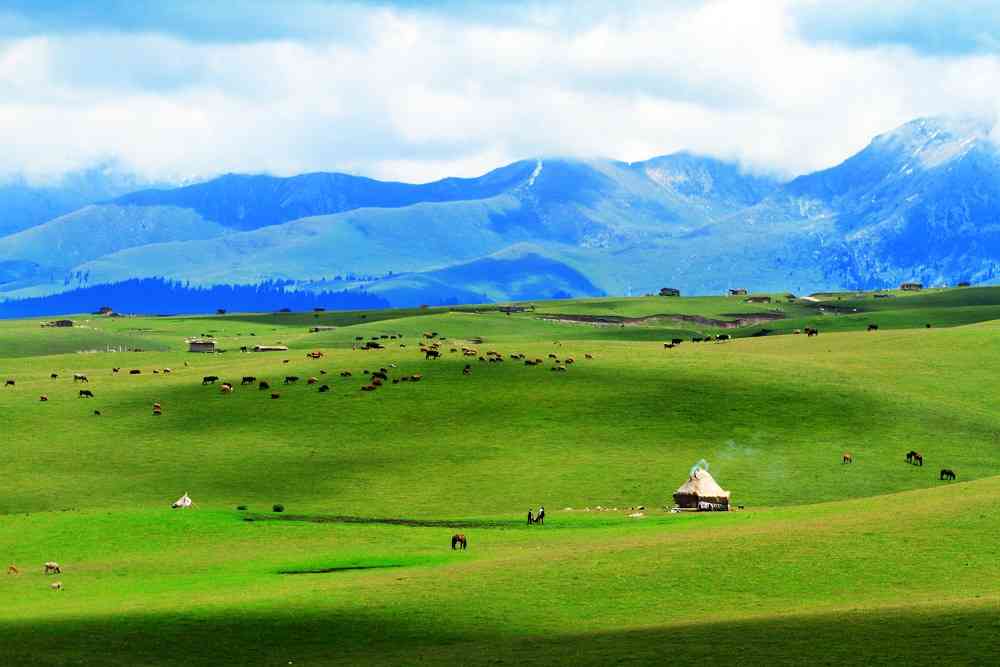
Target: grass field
872 563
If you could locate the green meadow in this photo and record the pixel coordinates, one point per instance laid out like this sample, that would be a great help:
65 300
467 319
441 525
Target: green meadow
876 562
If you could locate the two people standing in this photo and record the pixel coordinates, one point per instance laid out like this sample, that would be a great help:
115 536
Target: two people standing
539 518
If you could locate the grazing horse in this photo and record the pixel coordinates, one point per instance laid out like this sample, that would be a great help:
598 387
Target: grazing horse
12 569
458 540
909 456
52 568
86 393
847 458
947 473
918 459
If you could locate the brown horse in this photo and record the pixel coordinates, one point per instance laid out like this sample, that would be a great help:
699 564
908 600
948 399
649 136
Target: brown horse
918 459
459 540
847 458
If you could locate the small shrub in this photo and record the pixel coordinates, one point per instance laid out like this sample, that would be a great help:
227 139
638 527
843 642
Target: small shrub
278 507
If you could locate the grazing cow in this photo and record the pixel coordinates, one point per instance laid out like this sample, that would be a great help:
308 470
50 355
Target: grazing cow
570 360
431 354
248 379
12 569
312 380
322 372
52 567
291 379
918 459
314 355
285 361
226 388
86 393
157 409
275 397
677 341
416 377
8 383
723 337
97 413
263 385
872 327
56 586
467 370
382 375
210 379
588 356
947 473
136 371
54 376
114 371
668 346
847 458
368 387
459 541
43 398
551 355
928 325
376 382
811 332
168 370
244 348
345 374
323 388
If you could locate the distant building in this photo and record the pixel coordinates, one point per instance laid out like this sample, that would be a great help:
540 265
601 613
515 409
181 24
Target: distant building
963 284
669 291
739 291
911 287
201 345
104 310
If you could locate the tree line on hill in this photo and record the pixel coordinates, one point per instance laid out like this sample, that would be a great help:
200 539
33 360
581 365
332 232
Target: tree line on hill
152 296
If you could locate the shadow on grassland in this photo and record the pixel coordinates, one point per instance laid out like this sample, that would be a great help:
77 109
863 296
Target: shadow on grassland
377 636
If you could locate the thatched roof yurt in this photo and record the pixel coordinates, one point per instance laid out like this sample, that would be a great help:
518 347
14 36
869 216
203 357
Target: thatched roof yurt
700 487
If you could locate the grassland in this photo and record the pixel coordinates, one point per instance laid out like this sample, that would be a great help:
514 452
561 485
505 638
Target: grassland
875 562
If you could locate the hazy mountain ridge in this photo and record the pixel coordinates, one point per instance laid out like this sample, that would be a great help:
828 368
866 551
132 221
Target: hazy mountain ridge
921 202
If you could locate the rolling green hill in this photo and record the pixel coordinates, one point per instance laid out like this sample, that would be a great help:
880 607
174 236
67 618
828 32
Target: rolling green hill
358 570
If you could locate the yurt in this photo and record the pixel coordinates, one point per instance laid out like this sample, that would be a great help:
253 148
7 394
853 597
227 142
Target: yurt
700 488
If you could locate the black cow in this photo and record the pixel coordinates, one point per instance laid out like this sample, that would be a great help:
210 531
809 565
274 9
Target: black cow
872 327
291 379
248 379
431 354
8 383
947 473
210 379
323 388
86 393
677 341
135 371
264 385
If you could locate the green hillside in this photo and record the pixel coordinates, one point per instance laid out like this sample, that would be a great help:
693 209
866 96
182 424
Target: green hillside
827 563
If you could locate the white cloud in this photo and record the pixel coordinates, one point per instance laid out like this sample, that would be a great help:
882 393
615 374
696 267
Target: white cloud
416 95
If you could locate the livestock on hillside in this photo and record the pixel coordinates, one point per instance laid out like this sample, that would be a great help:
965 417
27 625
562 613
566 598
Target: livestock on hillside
323 388
80 377
43 398
847 458
291 379
226 388
872 327
459 541
52 567
947 473
248 379
264 384
54 376
12 569
210 379
312 380
135 371
56 586
8 383
86 393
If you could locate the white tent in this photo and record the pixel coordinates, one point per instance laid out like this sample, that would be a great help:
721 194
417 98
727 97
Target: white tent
183 502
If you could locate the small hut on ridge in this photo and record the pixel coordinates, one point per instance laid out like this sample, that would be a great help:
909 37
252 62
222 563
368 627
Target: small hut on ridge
699 489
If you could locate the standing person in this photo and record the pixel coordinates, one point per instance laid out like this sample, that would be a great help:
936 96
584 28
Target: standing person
541 515
531 518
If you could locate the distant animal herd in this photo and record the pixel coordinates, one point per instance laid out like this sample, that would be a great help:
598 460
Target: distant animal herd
913 458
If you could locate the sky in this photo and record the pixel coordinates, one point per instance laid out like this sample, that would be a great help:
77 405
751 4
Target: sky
415 91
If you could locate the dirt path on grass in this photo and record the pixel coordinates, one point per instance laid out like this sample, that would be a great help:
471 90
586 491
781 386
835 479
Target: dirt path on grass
739 319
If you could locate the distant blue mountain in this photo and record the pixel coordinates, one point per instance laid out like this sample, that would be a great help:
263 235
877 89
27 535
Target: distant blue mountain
25 203
921 202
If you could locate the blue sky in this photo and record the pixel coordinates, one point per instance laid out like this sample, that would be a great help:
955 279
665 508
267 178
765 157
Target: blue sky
419 90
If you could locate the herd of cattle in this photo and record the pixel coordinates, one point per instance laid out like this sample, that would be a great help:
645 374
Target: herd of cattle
913 458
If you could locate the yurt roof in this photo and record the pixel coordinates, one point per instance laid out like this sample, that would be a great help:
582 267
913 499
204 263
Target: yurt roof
702 484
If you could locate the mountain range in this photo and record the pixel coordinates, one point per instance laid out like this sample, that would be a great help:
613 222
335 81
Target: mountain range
919 203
